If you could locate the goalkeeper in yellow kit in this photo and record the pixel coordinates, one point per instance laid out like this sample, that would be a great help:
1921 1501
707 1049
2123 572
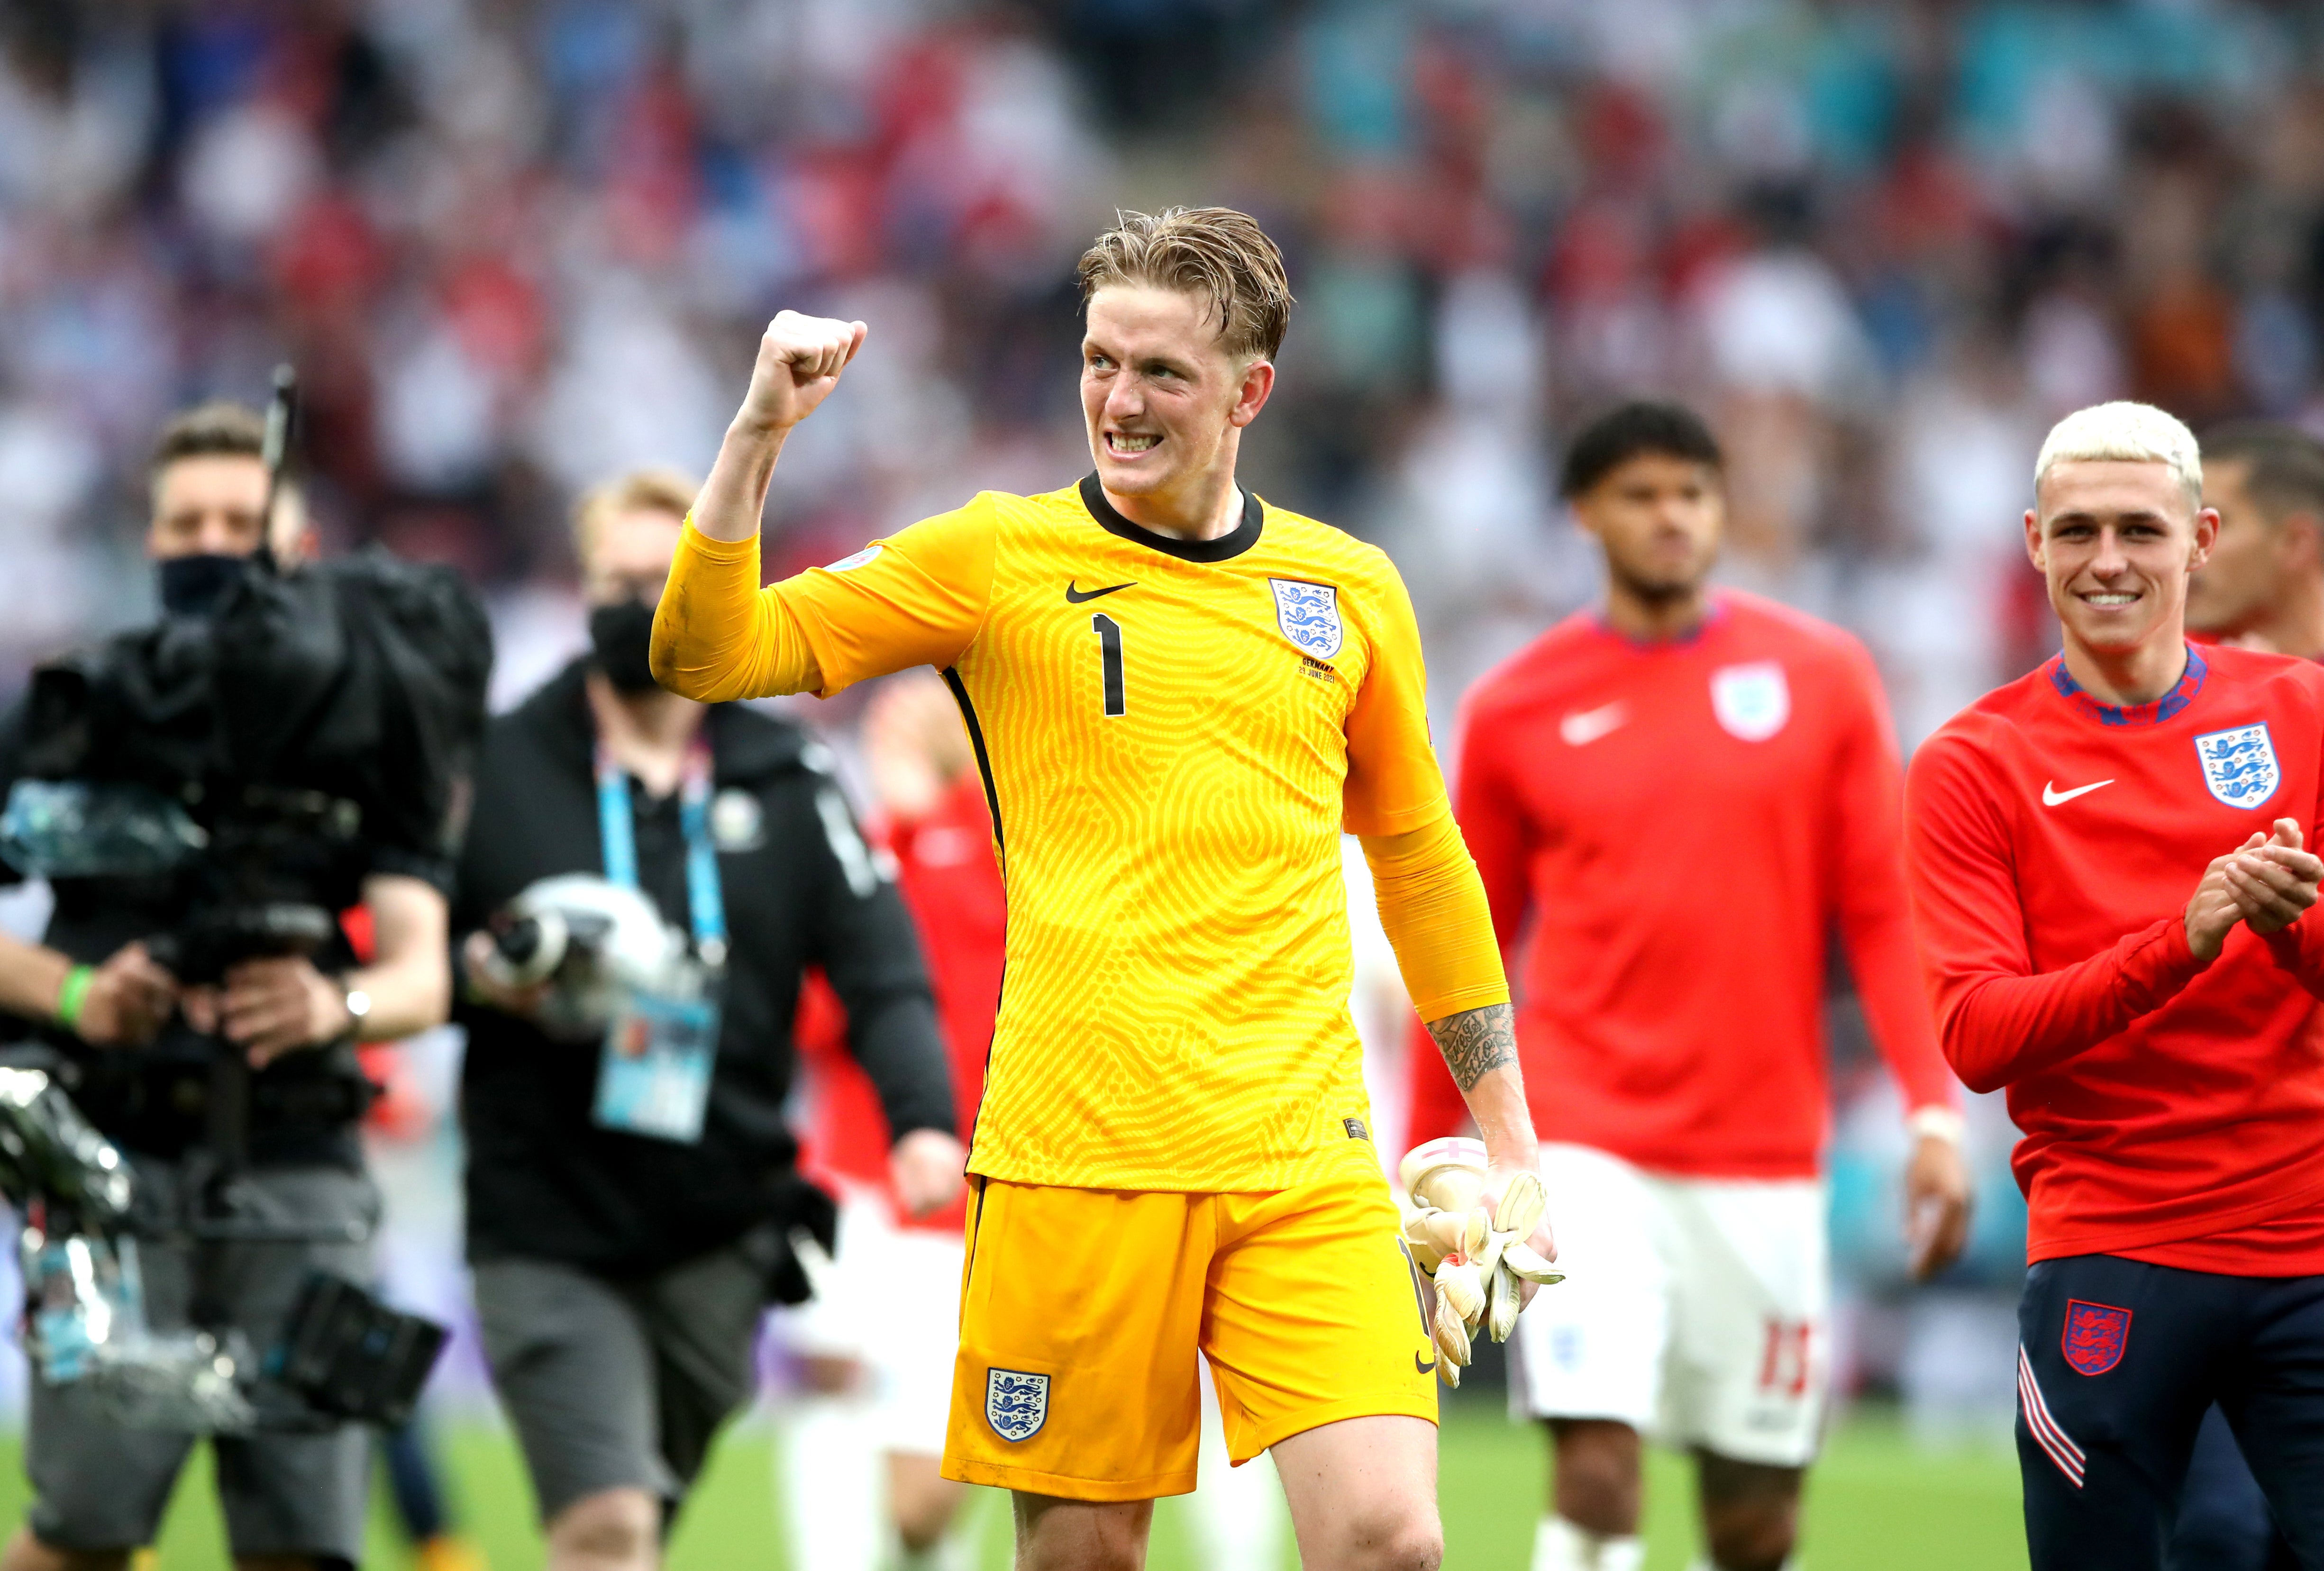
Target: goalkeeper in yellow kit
1179 697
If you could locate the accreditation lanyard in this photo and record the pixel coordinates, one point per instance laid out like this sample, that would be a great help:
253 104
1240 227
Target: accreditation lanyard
706 901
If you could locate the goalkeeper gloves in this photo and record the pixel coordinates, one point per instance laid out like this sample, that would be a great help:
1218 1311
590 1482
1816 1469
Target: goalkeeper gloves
1479 1259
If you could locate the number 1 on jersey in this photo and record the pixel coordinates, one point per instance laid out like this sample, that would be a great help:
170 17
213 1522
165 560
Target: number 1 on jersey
1108 649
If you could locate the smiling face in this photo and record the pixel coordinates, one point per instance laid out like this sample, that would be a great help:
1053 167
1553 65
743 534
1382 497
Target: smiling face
1164 402
2116 539
1658 517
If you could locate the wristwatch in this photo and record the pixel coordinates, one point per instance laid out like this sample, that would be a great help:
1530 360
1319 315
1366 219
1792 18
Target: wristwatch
358 1005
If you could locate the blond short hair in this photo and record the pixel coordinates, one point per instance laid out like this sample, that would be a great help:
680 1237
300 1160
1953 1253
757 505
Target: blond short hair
641 490
2124 432
1216 253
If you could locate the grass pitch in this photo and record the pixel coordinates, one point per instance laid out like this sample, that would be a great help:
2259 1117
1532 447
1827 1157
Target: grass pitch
1874 1501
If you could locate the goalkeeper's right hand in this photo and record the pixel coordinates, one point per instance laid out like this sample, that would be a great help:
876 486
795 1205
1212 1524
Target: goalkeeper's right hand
800 359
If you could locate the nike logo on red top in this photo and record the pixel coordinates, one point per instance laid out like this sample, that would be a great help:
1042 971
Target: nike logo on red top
1584 726
2051 795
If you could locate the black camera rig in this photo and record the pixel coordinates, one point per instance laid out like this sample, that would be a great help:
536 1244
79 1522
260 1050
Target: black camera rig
225 767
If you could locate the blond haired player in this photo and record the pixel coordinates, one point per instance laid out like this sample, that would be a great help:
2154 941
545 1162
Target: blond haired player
1177 695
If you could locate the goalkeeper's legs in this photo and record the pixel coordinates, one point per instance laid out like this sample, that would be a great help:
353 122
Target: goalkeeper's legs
1363 1495
1055 1534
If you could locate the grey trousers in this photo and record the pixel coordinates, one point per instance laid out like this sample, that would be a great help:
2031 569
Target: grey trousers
618 1385
99 1486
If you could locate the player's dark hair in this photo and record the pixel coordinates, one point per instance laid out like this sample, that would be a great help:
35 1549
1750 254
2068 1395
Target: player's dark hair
2284 465
1216 253
218 427
1627 430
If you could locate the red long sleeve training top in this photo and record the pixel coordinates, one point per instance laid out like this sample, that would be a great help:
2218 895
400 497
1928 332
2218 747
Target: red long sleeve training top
952 887
2172 1111
1684 824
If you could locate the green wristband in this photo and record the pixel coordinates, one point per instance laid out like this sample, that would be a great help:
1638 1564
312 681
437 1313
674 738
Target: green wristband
72 995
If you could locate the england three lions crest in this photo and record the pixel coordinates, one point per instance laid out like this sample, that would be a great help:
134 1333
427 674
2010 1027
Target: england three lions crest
1015 1404
2096 1337
1752 701
2239 765
1309 615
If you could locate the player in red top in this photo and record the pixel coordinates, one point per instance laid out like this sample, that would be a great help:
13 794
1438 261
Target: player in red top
2261 588
1683 794
2108 881
881 1331
2263 585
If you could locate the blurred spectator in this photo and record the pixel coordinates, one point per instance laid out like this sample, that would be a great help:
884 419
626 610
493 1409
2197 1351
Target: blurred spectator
516 244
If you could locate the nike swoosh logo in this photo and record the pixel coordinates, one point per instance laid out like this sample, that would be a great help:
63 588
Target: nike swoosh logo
1420 1368
1076 597
2051 795
1584 726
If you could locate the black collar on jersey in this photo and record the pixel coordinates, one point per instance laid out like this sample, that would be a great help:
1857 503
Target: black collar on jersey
1233 543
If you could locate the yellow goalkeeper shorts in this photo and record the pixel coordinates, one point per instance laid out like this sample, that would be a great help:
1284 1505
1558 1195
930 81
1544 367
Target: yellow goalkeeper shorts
1081 1312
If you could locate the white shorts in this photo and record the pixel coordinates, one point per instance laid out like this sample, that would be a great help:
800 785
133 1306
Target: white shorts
889 1299
1697 1312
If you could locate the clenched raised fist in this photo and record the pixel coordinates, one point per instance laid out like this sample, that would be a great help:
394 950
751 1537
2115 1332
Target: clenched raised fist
800 359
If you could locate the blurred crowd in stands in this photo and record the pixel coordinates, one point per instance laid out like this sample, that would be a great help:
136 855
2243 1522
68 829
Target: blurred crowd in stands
516 246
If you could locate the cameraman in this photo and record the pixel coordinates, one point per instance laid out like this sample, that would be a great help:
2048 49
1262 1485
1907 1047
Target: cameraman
137 1047
621 1270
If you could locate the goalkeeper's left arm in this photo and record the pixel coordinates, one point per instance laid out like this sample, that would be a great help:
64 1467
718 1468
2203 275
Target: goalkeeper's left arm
1432 903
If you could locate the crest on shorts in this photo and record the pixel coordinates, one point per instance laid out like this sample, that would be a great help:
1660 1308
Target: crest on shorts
2239 765
1308 614
1751 701
1015 1404
2095 1336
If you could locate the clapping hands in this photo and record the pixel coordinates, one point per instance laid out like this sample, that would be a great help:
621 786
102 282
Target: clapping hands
2265 883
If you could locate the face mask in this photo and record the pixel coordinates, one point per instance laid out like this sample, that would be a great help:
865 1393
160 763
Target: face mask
621 635
194 585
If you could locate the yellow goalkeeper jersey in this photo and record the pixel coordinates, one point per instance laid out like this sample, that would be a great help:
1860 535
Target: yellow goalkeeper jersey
1172 734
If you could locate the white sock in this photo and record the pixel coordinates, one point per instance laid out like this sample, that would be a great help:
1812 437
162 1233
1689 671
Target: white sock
1560 1546
834 1494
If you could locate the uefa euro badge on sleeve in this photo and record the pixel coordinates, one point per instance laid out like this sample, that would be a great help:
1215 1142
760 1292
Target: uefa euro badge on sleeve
1015 1404
1309 616
2239 765
654 1079
1751 701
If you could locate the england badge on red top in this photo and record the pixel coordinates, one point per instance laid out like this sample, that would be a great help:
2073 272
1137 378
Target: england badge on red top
1751 701
2239 765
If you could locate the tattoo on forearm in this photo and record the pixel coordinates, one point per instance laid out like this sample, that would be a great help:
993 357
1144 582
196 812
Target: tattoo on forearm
1476 1042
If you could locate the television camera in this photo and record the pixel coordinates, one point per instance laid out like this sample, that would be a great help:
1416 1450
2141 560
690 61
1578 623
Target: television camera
226 769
